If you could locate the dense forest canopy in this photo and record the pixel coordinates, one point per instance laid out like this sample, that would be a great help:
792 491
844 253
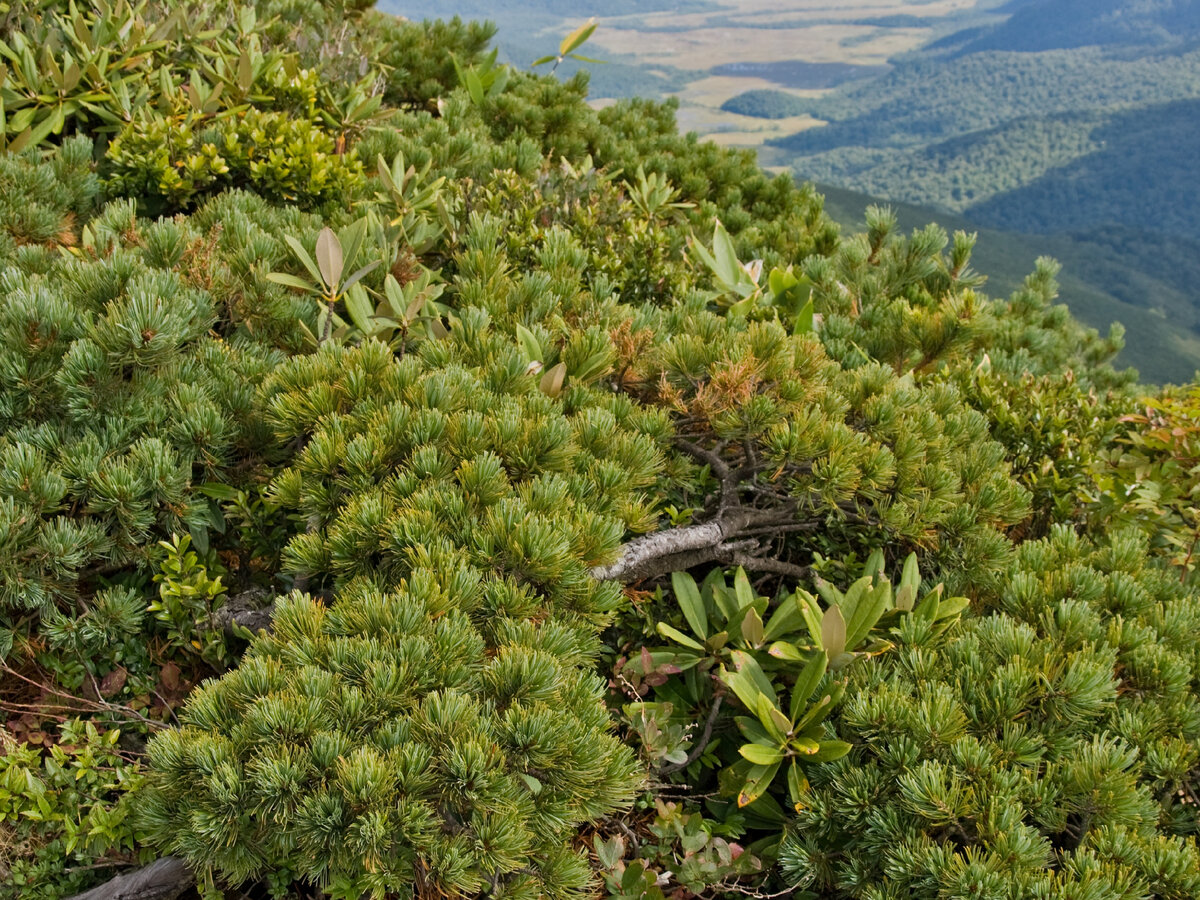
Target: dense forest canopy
1066 119
415 482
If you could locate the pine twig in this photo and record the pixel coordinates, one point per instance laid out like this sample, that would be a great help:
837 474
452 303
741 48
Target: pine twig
702 742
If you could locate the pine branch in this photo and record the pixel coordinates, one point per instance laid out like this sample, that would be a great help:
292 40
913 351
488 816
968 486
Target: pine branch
730 539
702 741
163 879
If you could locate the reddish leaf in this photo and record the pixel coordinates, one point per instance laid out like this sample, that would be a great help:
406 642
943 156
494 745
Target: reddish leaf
114 681
647 661
170 677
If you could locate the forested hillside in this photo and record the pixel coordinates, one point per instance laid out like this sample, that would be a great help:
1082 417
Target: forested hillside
1069 119
419 484
1037 25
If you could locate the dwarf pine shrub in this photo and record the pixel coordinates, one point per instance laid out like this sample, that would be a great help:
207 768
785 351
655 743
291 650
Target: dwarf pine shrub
201 266
1044 752
436 724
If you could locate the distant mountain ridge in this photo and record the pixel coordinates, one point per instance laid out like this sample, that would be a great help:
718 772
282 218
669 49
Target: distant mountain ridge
1105 278
1074 121
1039 25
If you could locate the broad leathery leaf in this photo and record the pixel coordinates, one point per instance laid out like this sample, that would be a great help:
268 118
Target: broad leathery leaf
743 590
595 365
833 632
529 344
691 602
784 650
743 688
810 610
727 265
927 609
804 320
752 628
742 307
758 779
219 491
385 172
829 751
761 754
785 620
747 687
723 597
499 81
416 306
807 681
874 604
798 786
752 729
828 592
857 593
701 251
910 584
245 75
874 564
354 279
777 724
577 38
351 239
747 665
952 606
305 259
458 69
475 87
678 636
552 382
361 313
805 745
779 281
393 292
819 710
841 661
289 281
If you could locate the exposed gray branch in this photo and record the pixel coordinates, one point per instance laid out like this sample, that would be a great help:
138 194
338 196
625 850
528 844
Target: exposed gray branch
252 610
702 741
163 879
646 556
767 564
718 466
731 539
641 557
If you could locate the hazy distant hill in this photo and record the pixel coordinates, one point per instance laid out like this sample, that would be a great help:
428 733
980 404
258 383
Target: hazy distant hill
1037 25
1104 279
1144 172
930 99
1074 120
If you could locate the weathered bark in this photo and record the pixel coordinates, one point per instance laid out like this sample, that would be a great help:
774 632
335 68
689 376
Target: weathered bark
731 539
163 879
247 610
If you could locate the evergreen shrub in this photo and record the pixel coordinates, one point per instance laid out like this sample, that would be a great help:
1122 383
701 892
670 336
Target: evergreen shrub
313 309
